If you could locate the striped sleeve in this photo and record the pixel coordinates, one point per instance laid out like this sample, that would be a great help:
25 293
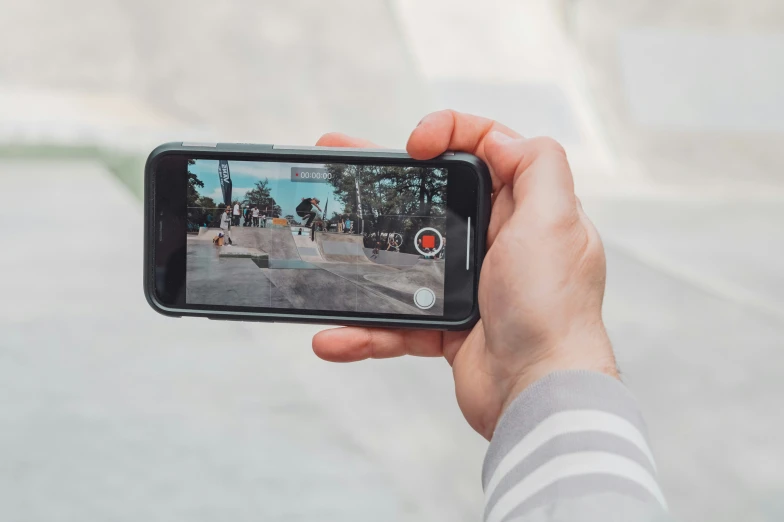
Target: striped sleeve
571 440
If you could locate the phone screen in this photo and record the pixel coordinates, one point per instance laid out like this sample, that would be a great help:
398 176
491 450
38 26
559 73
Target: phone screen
368 239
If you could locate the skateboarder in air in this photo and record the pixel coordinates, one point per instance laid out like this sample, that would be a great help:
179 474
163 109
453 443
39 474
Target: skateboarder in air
305 209
225 224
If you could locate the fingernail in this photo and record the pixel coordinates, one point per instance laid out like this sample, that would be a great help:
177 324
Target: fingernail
500 137
426 118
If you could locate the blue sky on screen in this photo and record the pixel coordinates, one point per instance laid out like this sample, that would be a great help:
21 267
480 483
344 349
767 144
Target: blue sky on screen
244 175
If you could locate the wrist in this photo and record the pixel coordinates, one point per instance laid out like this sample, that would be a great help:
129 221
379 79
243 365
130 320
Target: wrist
592 352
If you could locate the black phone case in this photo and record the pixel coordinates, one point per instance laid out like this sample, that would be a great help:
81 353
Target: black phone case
245 151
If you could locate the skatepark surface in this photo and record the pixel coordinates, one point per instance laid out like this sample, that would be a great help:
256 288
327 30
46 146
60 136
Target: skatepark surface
276 242
306 248
426 273
388 257
331 273
342 248
213 279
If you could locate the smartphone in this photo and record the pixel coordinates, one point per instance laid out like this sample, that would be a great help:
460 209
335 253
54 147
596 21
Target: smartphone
315 234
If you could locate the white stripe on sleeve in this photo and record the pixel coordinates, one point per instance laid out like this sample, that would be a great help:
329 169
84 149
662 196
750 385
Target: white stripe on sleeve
570 465
567 422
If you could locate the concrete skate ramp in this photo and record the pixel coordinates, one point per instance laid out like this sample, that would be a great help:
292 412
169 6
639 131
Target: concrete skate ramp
426 273
341 248
277 242
393 258
306 248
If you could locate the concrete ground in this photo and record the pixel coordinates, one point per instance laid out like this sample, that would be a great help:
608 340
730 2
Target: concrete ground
110 411
670 115
211 279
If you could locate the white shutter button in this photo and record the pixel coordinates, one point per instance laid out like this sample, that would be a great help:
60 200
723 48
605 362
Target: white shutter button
424 298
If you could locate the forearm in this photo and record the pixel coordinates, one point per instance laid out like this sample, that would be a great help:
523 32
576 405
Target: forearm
572 447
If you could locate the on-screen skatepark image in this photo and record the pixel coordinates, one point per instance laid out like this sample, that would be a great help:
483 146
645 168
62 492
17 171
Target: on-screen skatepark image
261 250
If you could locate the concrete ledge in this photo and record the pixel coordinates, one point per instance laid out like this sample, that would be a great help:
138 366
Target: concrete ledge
259 257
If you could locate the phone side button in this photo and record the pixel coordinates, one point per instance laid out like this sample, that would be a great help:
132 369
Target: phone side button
229 318
338 149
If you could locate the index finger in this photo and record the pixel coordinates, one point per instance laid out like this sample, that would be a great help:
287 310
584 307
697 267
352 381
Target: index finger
338 139
451 130
354 343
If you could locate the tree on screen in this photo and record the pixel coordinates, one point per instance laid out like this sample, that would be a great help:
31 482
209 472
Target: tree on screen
198 206
194 184
392 198
260 196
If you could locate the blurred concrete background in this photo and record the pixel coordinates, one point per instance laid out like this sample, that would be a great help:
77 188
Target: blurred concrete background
672 113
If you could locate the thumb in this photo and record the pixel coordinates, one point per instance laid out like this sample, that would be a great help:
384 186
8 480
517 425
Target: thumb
538 171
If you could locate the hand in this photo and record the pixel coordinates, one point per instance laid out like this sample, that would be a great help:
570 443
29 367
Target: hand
541 285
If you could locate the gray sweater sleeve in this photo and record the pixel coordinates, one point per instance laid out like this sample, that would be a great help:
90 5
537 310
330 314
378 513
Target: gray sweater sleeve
572 447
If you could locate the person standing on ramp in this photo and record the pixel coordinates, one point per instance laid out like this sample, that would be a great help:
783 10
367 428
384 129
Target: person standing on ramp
225 225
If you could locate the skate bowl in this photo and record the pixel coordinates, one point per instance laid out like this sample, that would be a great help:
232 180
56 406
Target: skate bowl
426 273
